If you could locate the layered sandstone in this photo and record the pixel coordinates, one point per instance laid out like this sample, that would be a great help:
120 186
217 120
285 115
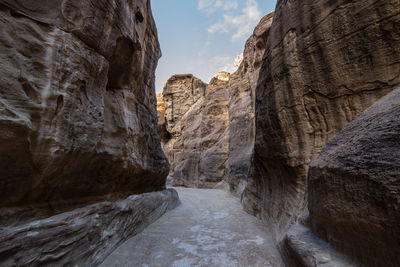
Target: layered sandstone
180 93
78 116
241 88
162 123
198 148
78 125
83 236
354 186
325 62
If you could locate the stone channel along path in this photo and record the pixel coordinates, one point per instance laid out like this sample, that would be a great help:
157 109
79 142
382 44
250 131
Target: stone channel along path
209 228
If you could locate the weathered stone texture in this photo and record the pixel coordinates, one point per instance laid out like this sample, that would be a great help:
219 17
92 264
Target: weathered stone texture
180 93
162 123
198 148
83 236
78 127
354 186
77 100
241 88
325 62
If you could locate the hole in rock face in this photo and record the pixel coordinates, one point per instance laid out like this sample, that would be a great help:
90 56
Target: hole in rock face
139 16
120 64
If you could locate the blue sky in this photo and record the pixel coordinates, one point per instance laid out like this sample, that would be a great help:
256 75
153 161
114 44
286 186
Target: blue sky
203 37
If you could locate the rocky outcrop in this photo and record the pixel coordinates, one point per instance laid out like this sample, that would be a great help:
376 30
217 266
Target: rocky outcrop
78 125
198 148
354 192
162 123
180 93
325 62
241 88
78 113
83 236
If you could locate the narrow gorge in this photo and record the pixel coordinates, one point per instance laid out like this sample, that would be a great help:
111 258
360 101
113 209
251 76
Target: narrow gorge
293 159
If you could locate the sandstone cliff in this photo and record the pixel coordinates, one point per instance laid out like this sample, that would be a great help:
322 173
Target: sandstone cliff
78 124
78 116
180 93
199 129
241 88
324 63
162 123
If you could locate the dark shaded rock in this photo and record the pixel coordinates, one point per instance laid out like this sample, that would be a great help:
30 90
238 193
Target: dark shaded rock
325 62
241 88
354 186
77 101
301 248
78 129
83 236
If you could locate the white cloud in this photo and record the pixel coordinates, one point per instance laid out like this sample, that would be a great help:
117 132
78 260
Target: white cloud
211 6
241 25
224 63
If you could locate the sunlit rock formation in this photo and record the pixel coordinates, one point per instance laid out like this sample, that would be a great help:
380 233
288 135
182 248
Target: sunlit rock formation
78 126
162 123
198 148
180 93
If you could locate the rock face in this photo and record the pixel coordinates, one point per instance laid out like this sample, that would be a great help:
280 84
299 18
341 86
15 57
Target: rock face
357 175
78 125
77 100
180 93
162 123
325 62
198 148
241 88
83 236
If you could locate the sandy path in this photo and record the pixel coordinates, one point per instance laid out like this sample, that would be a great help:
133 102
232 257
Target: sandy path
209 228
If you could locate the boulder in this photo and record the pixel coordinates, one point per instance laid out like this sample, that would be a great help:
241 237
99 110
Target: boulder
354 186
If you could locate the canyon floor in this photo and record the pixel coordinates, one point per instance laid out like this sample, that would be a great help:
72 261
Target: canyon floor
209 228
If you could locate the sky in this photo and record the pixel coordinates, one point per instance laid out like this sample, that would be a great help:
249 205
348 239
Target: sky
202 37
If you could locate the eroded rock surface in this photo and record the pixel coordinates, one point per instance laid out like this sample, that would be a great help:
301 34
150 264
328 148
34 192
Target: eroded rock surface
198 148
180 93
78 126
162 122
77 100
241 88
354 186
325 62
83 236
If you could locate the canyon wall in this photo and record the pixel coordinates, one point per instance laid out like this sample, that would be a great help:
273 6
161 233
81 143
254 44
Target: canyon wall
325 62
198 125
78 121
241 91
354 186
308 70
